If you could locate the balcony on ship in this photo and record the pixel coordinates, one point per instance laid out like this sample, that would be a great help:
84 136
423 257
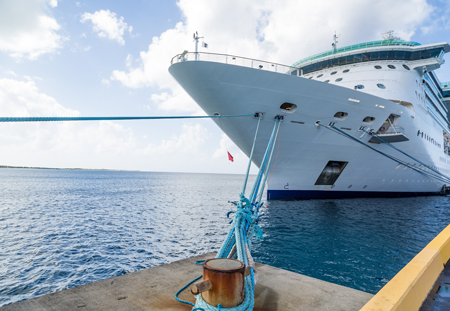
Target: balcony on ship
389 132
393 135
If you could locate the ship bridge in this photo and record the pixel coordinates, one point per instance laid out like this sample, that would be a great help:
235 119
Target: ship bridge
421 57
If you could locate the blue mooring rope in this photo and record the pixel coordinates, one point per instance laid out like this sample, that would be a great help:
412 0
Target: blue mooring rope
242 229
331 128
199 262
409 156
53 119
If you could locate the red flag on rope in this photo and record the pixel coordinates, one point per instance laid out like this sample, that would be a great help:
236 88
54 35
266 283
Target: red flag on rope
230 157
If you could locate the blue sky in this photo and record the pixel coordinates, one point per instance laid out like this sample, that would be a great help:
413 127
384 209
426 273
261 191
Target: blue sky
110 58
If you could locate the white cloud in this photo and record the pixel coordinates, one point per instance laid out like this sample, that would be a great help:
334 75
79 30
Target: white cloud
190 141
107 25
102 144
266 30
22 99
128 60
10 72
27 30
105 82
156 60
87 48
177 101
77 3
439 20
53 3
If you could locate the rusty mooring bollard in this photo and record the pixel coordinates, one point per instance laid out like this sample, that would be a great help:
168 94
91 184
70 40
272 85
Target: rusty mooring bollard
222 283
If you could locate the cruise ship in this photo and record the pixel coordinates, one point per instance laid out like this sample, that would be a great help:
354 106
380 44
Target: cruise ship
366 120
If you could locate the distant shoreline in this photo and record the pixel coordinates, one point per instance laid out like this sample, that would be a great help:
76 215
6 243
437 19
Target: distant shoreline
102 169
66 169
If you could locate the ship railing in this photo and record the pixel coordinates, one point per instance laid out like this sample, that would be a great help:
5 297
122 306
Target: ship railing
235 60
393 130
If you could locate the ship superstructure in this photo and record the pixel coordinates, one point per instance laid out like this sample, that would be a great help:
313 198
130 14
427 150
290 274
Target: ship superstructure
365 120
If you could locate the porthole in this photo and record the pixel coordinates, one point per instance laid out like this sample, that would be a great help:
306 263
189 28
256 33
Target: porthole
288 107
338 80
320 76
369 120
406 67
326 81
378 67
359 87
381 86
341 115
310 77
333 73
391 66
346 70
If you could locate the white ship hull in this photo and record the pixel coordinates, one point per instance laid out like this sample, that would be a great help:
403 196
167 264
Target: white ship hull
304 148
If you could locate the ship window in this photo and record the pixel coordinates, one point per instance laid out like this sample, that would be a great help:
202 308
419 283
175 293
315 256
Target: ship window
359 87
326 81
341 115
406 67
319 76
288 107
310 77
338 79
333 73
372 56
391 66
346 70
381 86
378 67
369 120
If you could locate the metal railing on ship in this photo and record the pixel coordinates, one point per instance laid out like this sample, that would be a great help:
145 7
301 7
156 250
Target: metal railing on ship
235 60
392 130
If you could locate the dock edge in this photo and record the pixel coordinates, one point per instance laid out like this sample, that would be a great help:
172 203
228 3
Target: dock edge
408 290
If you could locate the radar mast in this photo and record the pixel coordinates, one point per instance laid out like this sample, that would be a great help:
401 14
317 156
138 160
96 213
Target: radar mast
334 45
196 37
389 35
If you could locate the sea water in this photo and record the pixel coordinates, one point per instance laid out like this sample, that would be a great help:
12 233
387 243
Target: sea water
64 228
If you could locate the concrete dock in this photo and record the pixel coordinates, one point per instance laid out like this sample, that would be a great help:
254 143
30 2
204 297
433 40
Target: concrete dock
154 289
439 297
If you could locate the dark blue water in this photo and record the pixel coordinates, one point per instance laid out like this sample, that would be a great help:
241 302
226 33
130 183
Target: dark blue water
60 229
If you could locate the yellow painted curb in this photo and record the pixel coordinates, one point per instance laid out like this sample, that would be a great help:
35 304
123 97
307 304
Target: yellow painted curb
410 287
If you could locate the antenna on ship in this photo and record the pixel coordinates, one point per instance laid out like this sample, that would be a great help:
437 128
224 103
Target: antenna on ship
334 45
389 35
196 37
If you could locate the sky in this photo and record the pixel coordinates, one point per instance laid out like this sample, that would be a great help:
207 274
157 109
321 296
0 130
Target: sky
111 58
